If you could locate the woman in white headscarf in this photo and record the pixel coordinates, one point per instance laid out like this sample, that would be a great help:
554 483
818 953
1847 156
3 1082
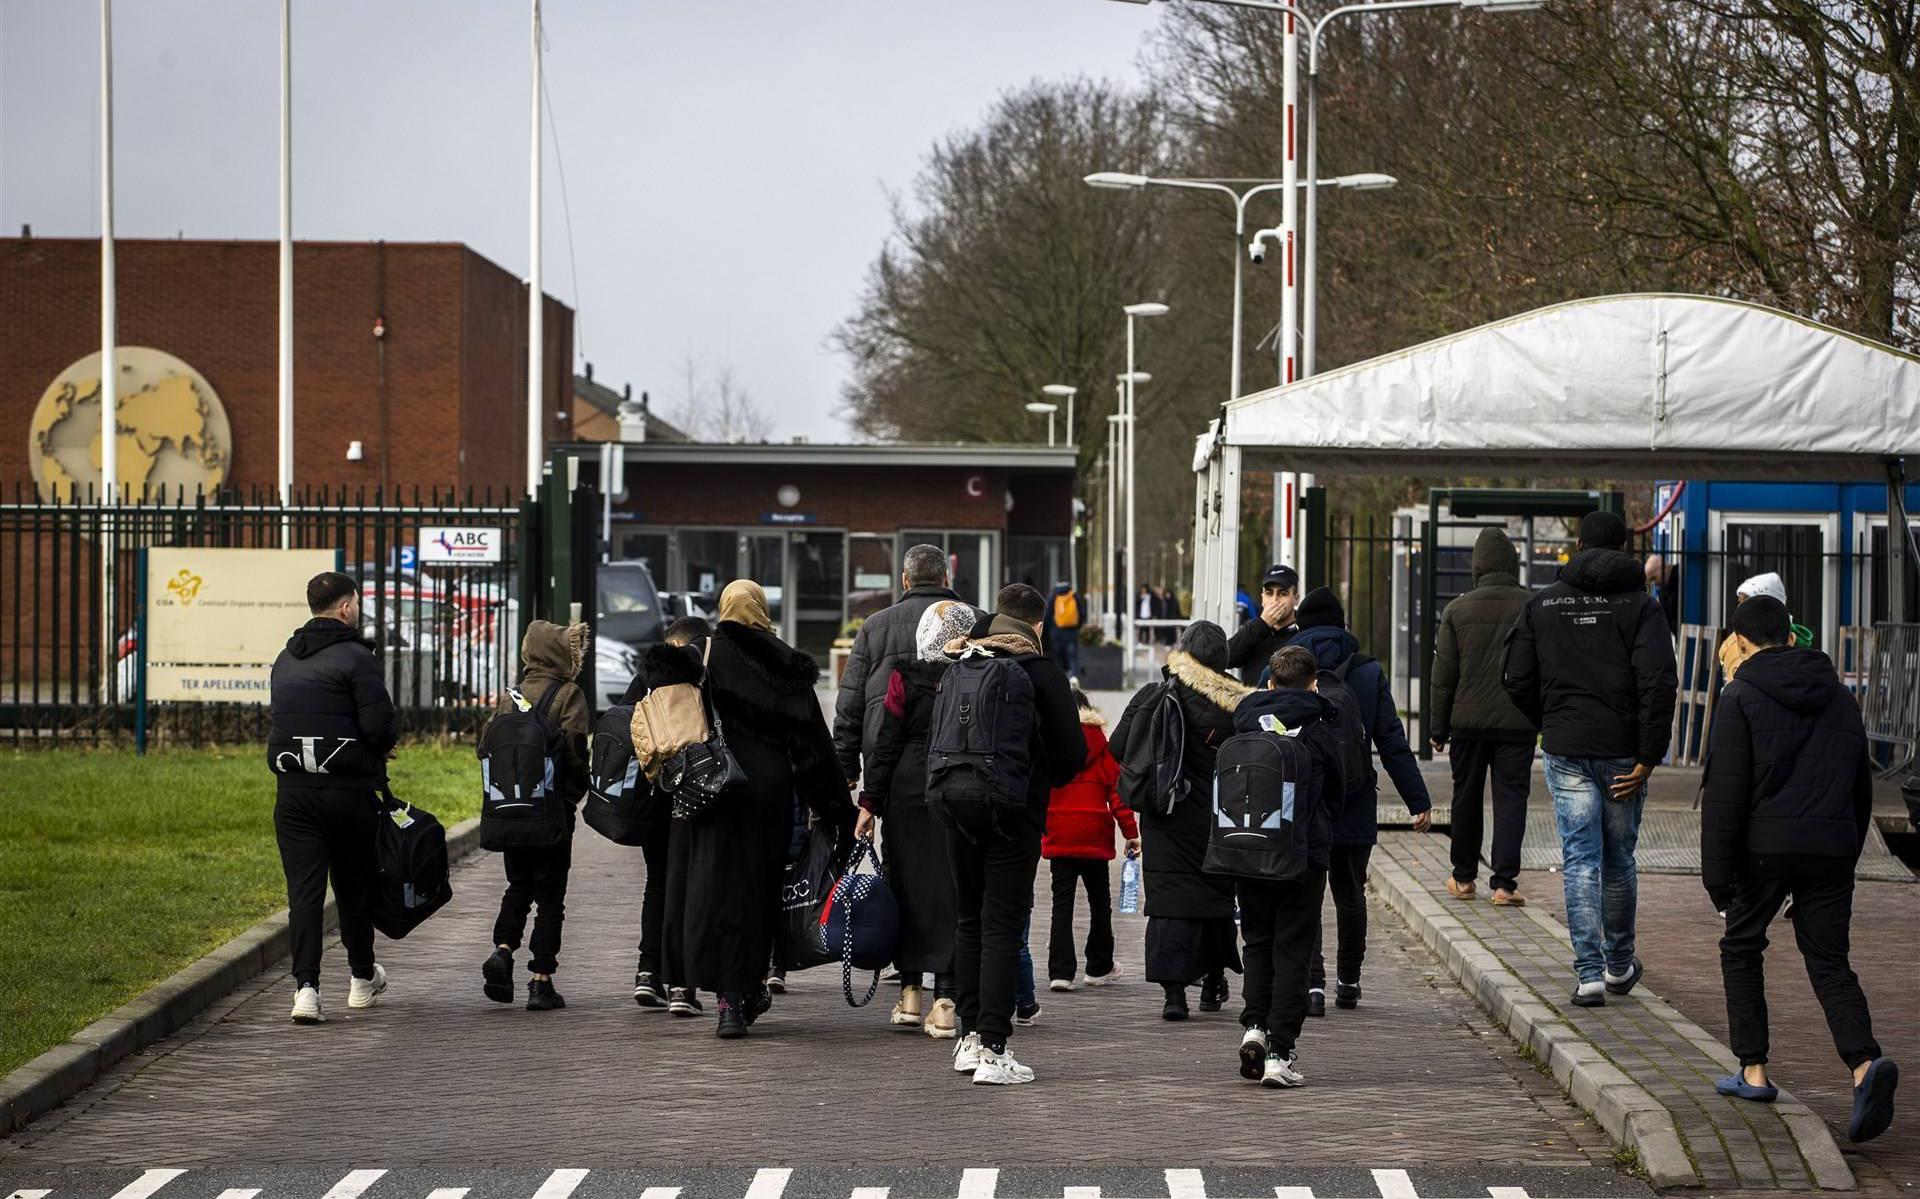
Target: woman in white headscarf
913 844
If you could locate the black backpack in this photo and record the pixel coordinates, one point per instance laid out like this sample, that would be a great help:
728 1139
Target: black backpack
412 879
1350 725
621 804
520 802
1151 779
980 746
1262 808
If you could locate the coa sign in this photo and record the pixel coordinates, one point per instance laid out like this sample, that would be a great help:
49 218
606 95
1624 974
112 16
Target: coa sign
457 546
216 618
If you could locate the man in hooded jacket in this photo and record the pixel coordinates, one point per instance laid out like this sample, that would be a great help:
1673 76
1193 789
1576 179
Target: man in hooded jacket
334 727
1471 709
1590 663
885 640
1785 804
1323 631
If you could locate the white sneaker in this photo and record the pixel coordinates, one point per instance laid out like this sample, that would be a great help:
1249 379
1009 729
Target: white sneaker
306 1006
1000 1070
1060 984
1101 980
1282 1071
1253 1053
365 992
967 1054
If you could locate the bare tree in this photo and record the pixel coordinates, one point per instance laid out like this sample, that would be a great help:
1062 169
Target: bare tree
714 406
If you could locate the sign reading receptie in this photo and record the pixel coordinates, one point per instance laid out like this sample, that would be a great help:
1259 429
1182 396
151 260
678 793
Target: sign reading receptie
215 619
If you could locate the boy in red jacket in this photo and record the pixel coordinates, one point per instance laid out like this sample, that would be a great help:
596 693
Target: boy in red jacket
1079 843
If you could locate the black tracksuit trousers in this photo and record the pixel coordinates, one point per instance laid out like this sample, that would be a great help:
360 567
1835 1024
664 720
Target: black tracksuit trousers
1347 879
993 882
1509 766
537 882
1068 876
653 904
327 832
1822 918
1279 922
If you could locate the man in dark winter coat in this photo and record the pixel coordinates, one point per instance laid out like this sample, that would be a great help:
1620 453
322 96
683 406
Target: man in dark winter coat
334 727
885 640
1323 630
1787 795
1471 708
993 871
1253 643
1590 663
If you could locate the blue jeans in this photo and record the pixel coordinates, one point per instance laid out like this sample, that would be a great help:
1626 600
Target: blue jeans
1597 836
1023 998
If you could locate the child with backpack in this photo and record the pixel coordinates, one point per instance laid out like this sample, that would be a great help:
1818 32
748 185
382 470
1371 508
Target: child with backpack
1278 788
1079 843
1367 722
533 769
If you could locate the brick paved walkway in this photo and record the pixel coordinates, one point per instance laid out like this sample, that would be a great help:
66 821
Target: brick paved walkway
1732 1144
1417 1077
1679 938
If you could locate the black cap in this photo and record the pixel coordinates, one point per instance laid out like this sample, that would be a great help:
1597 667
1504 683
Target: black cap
1603 530
1281 575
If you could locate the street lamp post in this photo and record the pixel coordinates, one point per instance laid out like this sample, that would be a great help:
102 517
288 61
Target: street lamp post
1060 391
1039 408
1131 379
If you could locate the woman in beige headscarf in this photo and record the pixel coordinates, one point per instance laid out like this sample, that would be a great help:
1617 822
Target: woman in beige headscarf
728 862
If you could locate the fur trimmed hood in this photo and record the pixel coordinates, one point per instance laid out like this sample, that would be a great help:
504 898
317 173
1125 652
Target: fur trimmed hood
1223 691
783 668
1092 716
554 649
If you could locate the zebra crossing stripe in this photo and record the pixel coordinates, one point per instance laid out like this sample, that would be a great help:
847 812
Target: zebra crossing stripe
1507 1193
240 1193
448 1193
145 1185
978 1184
869 1193
1186 1184
651 1193
28 1195
767 1184
1394 1184
1293 1193
350 1187
1080 1193
559 1184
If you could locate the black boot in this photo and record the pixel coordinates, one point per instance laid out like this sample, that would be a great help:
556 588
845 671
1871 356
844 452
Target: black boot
1213 992
1176 1006
733 1020
758 1004
1346 995
1316 1003
541 997
497 971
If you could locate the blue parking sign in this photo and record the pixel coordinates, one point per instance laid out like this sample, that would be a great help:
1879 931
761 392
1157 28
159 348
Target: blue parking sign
409 557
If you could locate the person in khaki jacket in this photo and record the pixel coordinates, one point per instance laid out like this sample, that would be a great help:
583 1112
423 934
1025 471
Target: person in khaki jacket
1490 737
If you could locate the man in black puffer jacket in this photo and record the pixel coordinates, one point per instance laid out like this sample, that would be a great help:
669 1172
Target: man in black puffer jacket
885 640
1788 793
1590 663
334 727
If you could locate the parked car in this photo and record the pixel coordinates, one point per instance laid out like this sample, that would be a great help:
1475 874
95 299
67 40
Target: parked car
614 664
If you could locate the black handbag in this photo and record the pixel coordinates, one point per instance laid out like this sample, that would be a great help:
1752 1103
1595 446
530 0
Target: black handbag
412 878
697 775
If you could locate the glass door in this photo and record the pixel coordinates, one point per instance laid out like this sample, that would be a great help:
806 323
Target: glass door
763 558
819 590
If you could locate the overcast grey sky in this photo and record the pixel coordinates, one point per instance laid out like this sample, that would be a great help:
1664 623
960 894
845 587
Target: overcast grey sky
726 160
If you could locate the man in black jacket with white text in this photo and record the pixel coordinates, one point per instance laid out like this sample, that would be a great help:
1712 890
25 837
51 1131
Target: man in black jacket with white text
334 727
1786 797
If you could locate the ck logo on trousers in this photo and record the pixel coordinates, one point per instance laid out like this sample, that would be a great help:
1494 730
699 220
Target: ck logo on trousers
309 759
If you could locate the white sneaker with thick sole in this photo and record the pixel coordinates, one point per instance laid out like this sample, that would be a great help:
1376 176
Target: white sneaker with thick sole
1000 1070
967 1054
1253 1053
306 1006
1060 984
1282 1072
365 992
1101 980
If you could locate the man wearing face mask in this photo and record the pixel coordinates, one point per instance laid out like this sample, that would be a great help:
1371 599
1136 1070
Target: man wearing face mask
1256 641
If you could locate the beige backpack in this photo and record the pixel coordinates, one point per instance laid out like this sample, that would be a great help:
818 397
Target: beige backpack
667 720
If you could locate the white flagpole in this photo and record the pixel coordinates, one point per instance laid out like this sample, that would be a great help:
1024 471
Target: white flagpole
286 264
109 361
536 375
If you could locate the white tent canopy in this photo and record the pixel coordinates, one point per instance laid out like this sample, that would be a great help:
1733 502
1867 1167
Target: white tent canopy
1649 386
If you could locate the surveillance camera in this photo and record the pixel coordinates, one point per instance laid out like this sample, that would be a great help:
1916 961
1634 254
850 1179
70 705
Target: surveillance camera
1257 251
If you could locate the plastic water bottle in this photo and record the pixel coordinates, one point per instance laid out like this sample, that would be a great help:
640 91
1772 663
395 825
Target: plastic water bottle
1130 886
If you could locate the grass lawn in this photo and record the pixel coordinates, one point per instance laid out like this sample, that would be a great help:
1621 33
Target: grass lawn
117 870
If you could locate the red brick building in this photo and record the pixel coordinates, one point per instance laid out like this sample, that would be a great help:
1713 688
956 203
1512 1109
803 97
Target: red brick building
437 399
824 527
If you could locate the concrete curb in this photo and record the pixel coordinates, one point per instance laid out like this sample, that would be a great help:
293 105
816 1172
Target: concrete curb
1625 1110
63 1071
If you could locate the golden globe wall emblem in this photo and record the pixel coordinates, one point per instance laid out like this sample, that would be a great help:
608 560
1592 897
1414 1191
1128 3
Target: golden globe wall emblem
172 429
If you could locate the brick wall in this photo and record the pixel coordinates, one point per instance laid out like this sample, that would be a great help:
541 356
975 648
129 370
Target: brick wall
438 401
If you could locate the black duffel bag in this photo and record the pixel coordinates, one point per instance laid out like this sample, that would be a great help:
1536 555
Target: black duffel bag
804 893
411 874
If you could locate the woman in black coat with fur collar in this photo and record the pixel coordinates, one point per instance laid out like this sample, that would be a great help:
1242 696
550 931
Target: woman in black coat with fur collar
727 863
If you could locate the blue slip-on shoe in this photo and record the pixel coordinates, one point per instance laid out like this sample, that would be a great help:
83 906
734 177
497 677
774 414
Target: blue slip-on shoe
1738 1087
1873 1101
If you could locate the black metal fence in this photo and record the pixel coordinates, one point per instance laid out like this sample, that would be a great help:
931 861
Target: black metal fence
447 635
